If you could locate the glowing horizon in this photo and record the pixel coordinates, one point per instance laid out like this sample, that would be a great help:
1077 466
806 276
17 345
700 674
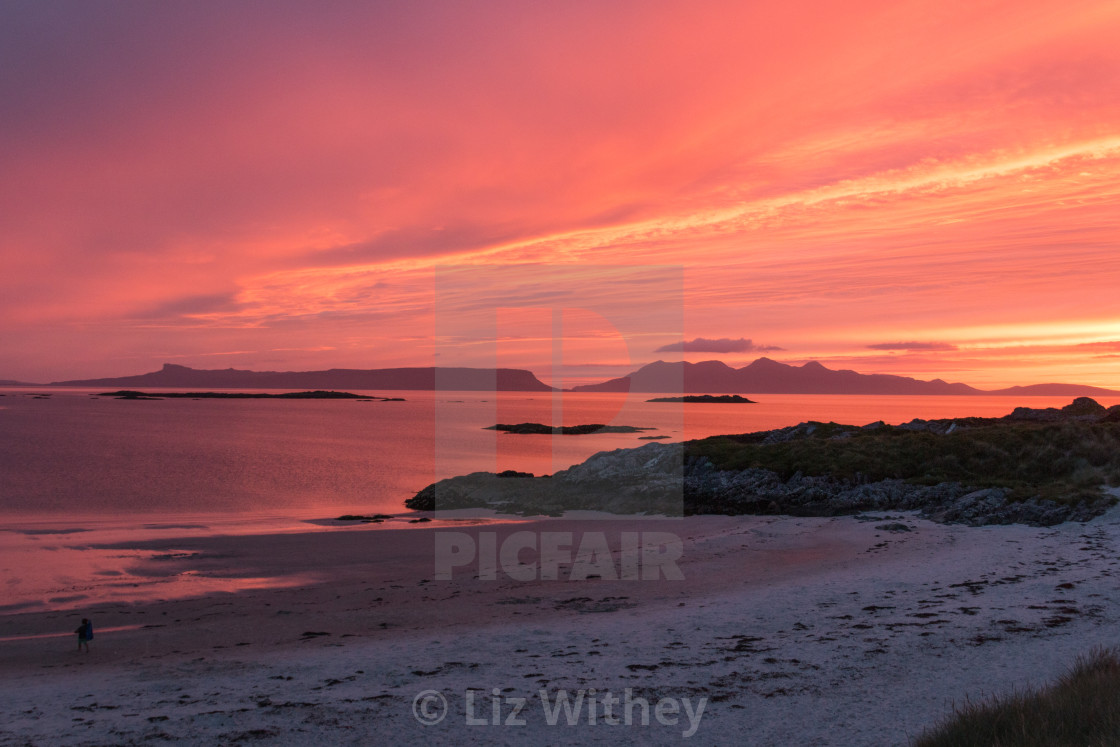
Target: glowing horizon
924 190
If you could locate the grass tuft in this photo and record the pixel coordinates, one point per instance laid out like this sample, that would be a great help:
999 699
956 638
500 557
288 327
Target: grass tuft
1081 709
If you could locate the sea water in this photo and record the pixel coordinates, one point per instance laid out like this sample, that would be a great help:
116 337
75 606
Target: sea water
75 454
94 489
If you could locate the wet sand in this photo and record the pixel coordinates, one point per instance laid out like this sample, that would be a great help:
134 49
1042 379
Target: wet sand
792 630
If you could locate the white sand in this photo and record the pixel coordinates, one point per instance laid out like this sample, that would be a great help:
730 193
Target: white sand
796 631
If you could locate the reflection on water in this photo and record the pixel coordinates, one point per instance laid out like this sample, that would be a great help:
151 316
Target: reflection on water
73 454
49 563
83 480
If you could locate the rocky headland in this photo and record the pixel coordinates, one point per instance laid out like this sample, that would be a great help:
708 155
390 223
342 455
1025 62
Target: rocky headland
1034 466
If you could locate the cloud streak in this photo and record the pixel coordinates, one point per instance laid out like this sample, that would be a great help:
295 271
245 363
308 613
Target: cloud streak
722 345
912 346
824 174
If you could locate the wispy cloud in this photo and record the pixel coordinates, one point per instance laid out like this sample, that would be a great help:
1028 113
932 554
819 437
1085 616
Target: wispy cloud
912 346
189 306
1103 345
831 182
722 345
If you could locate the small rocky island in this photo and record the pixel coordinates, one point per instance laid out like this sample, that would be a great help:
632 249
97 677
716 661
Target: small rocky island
565 430
1035 466
719 399
131 394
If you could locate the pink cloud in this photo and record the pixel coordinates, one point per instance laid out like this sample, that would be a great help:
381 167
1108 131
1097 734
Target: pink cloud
825 173
722 345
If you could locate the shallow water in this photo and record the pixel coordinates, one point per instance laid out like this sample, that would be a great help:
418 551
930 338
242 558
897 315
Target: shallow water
85 481
75 455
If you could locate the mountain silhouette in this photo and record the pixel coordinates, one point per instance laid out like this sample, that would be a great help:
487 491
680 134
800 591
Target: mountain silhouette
766 376
428 378
763 376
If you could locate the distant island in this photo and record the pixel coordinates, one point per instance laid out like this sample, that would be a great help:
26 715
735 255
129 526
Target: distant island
565 430
763 376
720 399
131 394
766 376
429 378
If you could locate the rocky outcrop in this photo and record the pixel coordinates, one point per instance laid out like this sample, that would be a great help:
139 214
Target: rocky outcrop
759 491
647 479
664 479
1082 408
655 479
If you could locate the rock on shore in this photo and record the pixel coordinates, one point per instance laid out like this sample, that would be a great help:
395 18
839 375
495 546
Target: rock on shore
664 479
654 479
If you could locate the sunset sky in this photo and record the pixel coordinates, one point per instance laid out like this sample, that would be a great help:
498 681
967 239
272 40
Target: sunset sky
923 188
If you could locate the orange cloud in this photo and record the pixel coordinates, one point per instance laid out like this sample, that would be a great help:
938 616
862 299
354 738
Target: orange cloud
826 174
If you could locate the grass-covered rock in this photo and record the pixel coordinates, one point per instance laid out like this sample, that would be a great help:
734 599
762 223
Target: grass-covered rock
1065 461
1035 466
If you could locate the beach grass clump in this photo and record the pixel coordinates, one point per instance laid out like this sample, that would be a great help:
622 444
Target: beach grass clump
1082 708
1066 462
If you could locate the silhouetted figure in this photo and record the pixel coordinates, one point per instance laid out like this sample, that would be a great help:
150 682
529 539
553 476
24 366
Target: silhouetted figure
85 634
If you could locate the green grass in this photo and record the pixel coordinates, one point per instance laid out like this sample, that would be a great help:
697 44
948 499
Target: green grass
1081 709
1066 462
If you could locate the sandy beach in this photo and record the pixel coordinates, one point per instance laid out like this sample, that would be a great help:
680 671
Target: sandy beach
823 631
721 373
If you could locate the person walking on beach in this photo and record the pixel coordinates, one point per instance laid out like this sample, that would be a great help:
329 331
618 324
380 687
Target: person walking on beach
85 634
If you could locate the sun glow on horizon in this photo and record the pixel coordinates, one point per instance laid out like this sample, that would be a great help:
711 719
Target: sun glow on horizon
833 181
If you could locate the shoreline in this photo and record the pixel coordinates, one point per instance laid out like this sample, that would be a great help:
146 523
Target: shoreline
867 634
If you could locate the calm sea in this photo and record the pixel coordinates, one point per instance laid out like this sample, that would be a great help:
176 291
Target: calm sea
73 454
85 482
